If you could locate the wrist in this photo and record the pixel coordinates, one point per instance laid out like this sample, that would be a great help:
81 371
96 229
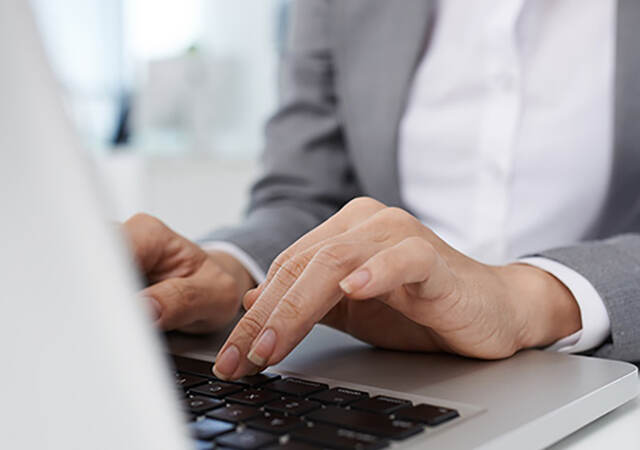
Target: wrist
243 279
546 308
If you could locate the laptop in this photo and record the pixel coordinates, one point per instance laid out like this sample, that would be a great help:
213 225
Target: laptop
84 368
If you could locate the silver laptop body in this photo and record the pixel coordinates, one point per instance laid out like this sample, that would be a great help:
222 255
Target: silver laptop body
83 368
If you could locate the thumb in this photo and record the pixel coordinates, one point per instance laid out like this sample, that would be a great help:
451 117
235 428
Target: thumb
204 301
146 236
172 301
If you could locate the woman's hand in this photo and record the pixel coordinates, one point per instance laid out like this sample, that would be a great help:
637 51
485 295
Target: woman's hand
379 274
189 289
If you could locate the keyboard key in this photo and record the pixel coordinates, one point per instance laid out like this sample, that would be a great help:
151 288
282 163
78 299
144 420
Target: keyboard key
276 424
293 406
204 445
234 413
427 414
199 405
192 366
253 397
296 387
187 381
365 422
381 404
339 396
208 429
339 438
256 380
292 445
247 439
216 389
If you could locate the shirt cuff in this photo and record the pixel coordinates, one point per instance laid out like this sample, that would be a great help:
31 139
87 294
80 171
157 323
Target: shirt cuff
596 327
240 255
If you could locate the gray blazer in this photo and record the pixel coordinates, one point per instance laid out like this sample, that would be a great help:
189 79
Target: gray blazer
346 76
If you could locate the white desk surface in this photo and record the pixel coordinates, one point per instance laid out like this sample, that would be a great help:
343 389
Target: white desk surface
620 429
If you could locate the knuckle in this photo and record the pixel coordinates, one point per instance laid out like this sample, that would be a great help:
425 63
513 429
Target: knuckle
279 262
365 205
292 269
184 294
422 244
227 285
333 256
290 308
251 324
392 221
427 251
144 220
397 215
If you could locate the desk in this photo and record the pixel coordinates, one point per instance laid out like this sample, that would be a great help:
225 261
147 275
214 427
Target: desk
619 430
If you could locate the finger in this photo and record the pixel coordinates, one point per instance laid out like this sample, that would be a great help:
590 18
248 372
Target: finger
255 317
412 263
271 294
312 295
201 302
283 273
251 296
353 213
288 266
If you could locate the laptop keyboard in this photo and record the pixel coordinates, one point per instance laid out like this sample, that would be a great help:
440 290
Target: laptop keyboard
269 411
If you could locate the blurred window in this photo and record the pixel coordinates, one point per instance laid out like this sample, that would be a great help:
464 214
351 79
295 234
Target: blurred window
174 77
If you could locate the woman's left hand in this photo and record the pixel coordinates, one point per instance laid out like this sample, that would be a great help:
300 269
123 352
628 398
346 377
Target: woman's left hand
379 274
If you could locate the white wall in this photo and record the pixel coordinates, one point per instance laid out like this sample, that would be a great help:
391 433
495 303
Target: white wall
190 195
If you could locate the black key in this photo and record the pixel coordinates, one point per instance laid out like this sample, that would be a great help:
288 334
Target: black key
199 405
381 404
216 389
187 381
192 366
208 429
339 396
427 414
253 397
276 424
234 413
256 380
293 406
296 387
246 439
339 438
292 445
366 422
204 445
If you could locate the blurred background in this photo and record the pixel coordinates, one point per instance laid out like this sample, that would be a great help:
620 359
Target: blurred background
170 98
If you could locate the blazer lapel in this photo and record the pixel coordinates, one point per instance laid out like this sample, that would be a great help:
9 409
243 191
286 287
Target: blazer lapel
378 62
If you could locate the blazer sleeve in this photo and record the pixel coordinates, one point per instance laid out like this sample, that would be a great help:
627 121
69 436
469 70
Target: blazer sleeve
307 175
613 268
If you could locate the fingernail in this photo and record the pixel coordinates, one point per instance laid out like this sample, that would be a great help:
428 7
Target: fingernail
355 281
263 348
227 362
156 309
